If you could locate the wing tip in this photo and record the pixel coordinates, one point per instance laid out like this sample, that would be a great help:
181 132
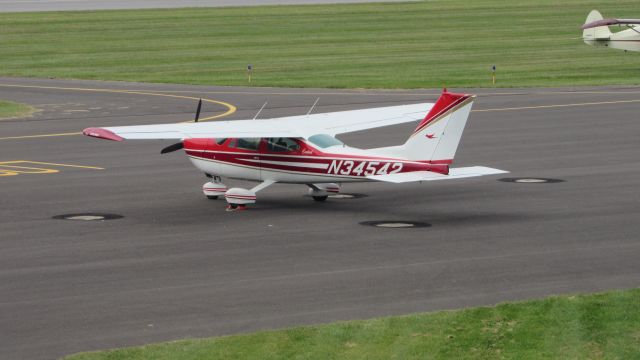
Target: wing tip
101 133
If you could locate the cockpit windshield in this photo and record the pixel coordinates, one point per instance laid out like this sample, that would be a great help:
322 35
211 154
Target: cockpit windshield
324 140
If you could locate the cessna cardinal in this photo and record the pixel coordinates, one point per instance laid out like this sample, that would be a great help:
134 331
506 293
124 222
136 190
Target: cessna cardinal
304 150
596 32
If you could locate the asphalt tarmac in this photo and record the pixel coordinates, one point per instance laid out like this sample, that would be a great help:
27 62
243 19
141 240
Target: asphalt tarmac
178 266
66 5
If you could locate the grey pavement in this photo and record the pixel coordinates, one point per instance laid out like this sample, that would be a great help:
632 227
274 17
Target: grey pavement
177 265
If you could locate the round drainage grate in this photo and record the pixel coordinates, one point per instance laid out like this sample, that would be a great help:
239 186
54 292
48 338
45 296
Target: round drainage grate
531 180
396 224
346 196
88 217
343 196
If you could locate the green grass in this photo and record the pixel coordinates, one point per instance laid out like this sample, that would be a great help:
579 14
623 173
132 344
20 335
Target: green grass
597 326
10 109
395 45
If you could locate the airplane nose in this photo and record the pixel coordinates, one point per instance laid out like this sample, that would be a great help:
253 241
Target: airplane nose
196 144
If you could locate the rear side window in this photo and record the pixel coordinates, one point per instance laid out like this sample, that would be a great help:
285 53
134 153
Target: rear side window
324 140
248 143
221 141
282 145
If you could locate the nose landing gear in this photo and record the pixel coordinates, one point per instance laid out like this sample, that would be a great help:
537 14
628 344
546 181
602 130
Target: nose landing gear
213 189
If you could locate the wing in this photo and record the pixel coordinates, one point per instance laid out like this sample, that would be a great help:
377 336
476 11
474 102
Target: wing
355 120
454 173
294 126
218 129
608 22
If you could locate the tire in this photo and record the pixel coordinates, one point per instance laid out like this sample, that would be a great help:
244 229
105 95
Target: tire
320 198
212 197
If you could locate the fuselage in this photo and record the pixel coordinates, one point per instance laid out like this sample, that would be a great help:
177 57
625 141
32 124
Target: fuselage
628 40
294 160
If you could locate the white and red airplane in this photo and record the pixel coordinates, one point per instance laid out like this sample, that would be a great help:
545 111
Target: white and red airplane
304 150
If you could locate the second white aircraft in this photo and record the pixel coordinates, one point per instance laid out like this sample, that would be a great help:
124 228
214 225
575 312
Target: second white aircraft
596 32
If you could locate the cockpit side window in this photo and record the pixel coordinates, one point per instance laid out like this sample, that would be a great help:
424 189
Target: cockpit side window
282 145
221 141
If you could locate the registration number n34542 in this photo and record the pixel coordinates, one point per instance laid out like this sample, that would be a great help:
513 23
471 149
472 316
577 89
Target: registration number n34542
363 168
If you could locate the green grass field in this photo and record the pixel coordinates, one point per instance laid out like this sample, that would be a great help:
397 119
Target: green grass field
9 109
406 45
598 326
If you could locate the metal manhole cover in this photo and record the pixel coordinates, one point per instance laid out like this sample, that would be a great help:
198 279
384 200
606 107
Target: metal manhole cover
346 196
531 180
396 224
88 217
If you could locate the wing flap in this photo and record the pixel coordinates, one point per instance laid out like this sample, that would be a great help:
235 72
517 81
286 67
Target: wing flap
454 173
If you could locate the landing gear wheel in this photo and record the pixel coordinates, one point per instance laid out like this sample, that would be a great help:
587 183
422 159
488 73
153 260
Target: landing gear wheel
320 198
212 197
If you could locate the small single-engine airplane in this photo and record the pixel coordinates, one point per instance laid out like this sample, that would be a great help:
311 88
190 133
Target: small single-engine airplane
303 149
596 32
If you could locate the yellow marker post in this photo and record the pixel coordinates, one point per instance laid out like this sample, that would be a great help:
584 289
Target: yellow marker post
493 76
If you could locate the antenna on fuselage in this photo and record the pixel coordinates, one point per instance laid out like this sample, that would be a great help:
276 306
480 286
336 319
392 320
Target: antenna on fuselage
259 111
312 106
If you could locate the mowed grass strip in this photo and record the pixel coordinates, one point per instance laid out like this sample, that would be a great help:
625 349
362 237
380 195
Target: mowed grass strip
597 326
10 109
394 45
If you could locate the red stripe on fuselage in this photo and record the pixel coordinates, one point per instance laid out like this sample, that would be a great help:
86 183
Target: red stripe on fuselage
356 166
306 158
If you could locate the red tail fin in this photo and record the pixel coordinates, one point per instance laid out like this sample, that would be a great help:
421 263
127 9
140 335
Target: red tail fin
446 102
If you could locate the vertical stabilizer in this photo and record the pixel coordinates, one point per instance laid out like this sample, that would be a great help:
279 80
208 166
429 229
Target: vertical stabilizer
437 137
595 33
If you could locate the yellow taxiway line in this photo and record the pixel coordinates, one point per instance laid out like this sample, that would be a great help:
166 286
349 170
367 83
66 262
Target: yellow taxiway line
38 136
10 168
53 164
230 108
558 105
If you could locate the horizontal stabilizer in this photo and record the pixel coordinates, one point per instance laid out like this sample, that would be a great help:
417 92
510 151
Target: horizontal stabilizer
454 173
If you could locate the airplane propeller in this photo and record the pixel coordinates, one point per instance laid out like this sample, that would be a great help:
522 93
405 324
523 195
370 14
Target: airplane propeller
198 111
180 145
172 148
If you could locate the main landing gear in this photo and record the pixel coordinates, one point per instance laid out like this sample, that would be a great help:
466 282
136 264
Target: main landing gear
239 198
320 192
